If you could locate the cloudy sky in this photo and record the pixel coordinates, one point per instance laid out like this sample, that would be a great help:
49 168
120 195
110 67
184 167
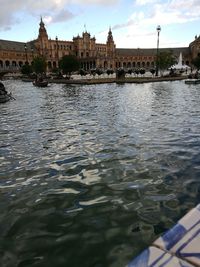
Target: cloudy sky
133 22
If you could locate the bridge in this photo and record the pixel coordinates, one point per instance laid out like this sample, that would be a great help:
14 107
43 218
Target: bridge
7 70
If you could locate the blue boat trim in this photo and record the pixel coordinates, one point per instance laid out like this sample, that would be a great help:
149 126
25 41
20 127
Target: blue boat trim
173 236
178 247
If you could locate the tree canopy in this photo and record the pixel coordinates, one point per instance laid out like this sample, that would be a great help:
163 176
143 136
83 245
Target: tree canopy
68 64
165 60
196 62
39 64
26 69
120 73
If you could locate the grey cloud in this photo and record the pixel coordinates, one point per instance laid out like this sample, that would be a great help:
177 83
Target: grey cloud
11 11
62 16
8 14
179 10
95 2
123 25
57 9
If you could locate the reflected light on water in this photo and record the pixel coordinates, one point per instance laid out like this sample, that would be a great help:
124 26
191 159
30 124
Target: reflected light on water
90 175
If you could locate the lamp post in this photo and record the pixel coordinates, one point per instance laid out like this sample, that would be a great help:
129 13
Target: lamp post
57 56
157 63
25 48
32 51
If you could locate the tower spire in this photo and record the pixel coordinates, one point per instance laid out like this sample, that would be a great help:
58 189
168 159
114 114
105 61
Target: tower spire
41 22
42 29
110 37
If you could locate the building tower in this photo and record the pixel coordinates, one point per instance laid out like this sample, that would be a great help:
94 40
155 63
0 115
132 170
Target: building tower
110 44
195 47
110 47
42 41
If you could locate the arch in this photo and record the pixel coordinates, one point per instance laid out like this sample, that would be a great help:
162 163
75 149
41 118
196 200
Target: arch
105 64
85 65
129 65
1 64
49 64
14 63
7 63
20 63
54 64
133 64
124 64
91 64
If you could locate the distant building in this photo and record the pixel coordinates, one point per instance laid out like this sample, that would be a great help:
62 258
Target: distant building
91 54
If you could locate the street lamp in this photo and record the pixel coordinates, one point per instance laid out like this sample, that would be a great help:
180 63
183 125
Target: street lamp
25 48
57 48
157 63
32 51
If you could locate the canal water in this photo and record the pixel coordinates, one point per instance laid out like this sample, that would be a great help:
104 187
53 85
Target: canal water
91 175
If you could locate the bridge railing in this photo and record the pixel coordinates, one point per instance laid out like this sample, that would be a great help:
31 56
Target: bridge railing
10 68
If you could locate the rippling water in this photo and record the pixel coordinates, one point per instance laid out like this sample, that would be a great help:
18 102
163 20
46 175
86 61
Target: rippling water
91 175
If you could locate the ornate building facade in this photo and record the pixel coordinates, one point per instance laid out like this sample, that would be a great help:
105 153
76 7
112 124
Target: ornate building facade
91 54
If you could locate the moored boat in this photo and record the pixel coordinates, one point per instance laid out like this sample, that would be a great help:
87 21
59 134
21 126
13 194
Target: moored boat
4 96
42 83
192 81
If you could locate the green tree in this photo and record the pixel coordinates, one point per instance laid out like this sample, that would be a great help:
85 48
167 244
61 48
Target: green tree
39 64
130 71
196 62
82 72
99 71
152 71
142 71
165 60
109 71
68 64
120 73
26 69
137 71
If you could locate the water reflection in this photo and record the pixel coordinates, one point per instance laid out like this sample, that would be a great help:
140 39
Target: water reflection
90 175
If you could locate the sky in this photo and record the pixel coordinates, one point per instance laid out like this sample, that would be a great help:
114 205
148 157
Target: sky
133 23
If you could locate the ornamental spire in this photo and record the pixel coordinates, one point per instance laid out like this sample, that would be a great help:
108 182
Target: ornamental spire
42 29
41 22
110 36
